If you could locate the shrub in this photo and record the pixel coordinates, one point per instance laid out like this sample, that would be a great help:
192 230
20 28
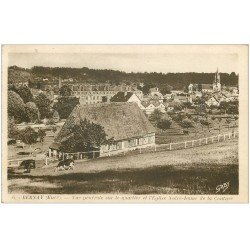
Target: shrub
164 124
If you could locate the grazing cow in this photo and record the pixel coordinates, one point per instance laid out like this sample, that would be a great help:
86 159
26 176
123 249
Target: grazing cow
65 165
185 132
28 165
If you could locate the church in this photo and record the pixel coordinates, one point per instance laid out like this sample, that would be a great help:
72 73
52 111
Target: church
207 88
216 83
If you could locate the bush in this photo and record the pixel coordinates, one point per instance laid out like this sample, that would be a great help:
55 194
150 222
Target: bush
156 116
164 124
13 132
204 122
186 123
28 135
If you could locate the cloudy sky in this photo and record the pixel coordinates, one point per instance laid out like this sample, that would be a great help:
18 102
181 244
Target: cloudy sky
131 62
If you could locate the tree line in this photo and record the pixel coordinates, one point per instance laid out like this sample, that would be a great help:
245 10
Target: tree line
164 81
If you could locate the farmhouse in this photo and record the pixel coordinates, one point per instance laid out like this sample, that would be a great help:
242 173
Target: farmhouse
213 101
149 106
154 92
126 97
124 122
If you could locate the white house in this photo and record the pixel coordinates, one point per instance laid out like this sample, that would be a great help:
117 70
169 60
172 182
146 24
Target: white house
150 106
126 97
154 92
213 101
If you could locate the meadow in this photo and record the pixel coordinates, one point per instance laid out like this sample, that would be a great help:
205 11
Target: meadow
188 171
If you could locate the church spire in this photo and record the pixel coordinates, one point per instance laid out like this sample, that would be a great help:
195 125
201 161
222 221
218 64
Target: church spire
217 84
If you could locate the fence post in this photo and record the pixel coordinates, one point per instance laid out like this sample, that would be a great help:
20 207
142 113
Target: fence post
170 144
109 152
206 140
218 138
93 154
46 161
185 144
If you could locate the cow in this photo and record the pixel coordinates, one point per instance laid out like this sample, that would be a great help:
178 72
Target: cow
67 164
28 165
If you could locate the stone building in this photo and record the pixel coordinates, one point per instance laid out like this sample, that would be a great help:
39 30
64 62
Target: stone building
97 93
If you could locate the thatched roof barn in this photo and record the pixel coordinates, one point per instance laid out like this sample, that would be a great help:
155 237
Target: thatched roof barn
124 122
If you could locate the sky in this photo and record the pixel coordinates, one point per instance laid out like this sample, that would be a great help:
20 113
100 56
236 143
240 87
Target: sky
131 62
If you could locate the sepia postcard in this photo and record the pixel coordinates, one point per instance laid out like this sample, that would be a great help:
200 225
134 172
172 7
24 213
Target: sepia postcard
125 124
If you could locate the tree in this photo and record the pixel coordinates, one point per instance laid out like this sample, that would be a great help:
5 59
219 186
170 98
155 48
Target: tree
28 136
43 104
156 116
32 111
65 91
177 106
219 119
16 107
205 122
24 93
165 89
201 109
41 135
185 89
199 87
164 124
13 131
86 136
65 105
186 123
233 107
228 121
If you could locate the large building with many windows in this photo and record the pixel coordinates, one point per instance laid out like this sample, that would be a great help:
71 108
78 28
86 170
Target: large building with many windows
102 92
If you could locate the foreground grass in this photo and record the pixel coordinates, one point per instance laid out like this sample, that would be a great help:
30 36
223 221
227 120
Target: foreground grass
190 171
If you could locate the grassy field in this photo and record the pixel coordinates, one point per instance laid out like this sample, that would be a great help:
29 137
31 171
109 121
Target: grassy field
190 171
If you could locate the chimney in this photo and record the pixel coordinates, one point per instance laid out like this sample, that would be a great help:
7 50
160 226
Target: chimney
60 82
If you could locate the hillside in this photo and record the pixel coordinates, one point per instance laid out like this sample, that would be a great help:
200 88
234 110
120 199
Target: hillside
172 172
164 82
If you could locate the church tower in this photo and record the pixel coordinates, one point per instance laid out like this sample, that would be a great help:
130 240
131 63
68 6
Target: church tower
216 83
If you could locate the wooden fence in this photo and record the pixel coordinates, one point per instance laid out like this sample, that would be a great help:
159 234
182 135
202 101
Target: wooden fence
139 150
158 147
